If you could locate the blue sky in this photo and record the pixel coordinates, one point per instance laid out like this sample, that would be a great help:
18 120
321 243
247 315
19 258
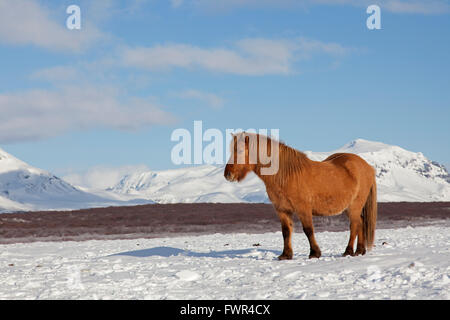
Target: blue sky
111 93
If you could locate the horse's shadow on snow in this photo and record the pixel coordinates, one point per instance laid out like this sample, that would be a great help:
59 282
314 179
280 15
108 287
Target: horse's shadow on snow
169 252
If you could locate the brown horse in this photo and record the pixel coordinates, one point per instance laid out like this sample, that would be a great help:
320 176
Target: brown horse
343 182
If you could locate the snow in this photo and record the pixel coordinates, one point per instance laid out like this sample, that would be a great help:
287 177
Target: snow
407 263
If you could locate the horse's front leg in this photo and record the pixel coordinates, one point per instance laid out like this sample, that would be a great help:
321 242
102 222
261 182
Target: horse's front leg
286 229
308 228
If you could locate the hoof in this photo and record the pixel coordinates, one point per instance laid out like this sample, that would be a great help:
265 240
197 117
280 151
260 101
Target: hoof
285 257
348 252
360 251
315 254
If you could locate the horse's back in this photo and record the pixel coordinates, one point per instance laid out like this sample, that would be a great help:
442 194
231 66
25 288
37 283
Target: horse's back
345 159
337 181
355 166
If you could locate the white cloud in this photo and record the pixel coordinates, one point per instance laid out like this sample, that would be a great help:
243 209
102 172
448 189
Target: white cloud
27 22
417 7
255 56
211 99
37 114
176 3
101 177
395 6
57 74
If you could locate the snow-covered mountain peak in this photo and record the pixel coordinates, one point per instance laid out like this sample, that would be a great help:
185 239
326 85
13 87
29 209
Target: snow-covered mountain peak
11 163
403 174
385 157
361 146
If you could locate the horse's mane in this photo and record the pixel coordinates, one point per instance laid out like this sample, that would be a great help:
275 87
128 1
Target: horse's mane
291 161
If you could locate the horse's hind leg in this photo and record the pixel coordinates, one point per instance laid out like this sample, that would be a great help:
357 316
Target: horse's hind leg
353 233
356 229
361 244
286 229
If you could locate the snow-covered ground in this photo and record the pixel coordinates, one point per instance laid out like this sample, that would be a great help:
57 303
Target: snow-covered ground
413 263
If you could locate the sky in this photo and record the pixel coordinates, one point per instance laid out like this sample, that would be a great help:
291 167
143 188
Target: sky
110 94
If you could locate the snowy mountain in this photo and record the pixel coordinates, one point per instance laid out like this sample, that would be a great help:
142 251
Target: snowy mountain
401 176
25 188
187 185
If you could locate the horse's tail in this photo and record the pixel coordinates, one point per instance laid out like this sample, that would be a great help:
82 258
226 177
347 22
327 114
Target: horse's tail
369 216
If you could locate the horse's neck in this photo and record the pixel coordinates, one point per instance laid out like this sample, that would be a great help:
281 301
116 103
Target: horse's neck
288 166
269 180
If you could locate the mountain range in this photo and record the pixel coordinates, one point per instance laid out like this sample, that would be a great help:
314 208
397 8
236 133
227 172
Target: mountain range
402 175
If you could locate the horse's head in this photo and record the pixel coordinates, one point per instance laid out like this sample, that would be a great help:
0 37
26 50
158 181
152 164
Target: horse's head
239 164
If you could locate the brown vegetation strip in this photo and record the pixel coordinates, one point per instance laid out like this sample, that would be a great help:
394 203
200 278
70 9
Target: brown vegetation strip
165 220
